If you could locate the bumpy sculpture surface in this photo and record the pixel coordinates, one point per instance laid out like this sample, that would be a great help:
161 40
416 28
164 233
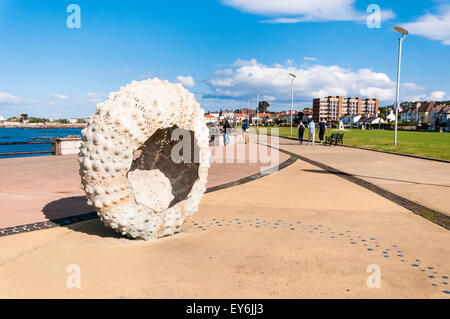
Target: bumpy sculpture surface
127 164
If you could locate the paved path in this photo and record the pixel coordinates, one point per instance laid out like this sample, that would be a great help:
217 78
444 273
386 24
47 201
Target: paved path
36 189
423 181
294 234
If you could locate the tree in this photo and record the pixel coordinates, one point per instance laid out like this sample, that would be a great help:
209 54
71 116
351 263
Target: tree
23 117
13 119
263 106
437 124
37 120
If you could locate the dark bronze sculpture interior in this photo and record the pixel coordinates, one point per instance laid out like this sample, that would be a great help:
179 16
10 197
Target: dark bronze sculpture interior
156 152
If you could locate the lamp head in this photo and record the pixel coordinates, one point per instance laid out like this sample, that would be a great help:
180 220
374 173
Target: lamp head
401 31
293 75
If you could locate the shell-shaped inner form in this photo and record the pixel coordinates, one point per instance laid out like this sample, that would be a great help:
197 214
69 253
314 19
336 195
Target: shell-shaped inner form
144 159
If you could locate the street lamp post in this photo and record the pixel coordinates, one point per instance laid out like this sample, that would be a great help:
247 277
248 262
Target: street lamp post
403 33
292 95
257 106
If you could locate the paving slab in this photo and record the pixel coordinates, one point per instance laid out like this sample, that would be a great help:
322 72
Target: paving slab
293 234
423 181
36 189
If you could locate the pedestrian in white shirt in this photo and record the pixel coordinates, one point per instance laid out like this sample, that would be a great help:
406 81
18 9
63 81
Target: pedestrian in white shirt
312 132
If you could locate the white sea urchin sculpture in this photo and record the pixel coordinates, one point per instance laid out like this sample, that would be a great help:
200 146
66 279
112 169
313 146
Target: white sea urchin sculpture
125 159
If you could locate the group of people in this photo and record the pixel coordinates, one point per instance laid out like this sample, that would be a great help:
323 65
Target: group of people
312 127
312 131
226 132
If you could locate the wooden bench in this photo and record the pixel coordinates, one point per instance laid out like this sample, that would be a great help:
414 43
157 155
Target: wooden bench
330 139
335 139
340 139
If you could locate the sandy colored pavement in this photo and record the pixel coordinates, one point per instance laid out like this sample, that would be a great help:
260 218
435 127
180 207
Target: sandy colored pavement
422 181
36 189
294 234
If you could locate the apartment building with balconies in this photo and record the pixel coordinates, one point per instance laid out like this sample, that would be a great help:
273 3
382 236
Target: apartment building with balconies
331 108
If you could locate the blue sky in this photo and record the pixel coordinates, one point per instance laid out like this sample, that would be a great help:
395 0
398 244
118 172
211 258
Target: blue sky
222 50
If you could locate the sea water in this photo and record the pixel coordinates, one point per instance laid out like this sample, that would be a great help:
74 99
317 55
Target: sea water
10 135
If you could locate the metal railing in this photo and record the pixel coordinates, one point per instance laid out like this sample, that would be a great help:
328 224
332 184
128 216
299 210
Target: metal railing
51 151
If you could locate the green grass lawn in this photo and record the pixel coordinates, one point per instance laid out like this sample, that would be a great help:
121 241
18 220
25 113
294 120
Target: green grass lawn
428 144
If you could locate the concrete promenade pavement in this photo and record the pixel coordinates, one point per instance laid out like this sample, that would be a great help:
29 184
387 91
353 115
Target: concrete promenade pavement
423 181
294 234
36 189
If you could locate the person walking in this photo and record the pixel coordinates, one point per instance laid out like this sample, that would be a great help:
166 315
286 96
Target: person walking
322 130
245 131
312 132
301 130
226 133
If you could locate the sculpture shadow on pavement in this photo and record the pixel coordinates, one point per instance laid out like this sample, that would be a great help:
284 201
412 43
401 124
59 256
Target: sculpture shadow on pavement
65 212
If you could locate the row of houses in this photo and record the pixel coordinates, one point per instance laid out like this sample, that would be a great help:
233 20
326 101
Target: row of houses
361 120
430 113
254 118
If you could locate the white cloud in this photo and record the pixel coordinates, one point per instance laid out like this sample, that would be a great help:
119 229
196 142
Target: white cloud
294 11
240 62
387 15
224 72
9 99
282 20
186 80
437 96
413 86
147 75
268 98
96 97
436 27
311 82
309 59
60 96
289 62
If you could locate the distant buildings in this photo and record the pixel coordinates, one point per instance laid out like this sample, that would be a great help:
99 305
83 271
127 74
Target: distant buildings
307 115
349 120
352 111
427 113
239 115
444 116
286 115
371 119
75 121
211 119
215 117
391 116
264 118
331 108
250 112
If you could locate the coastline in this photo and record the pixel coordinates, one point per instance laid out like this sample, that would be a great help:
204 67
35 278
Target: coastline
45 126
